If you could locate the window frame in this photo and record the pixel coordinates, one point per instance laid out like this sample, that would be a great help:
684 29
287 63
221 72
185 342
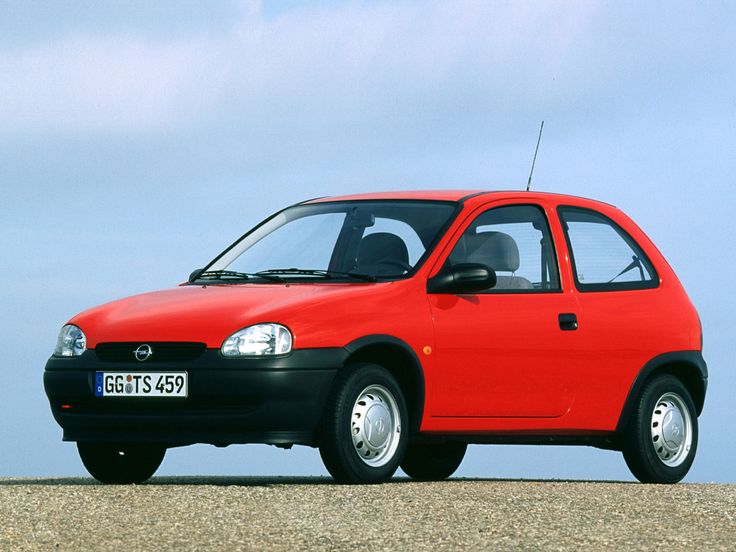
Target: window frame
553 248
637 249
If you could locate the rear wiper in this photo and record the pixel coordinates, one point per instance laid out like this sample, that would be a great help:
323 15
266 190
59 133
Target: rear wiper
315 272
220 274
635 263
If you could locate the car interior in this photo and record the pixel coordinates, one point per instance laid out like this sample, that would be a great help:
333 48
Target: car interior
496 250
382 254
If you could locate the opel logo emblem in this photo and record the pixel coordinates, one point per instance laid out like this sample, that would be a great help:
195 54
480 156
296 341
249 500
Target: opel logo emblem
143 352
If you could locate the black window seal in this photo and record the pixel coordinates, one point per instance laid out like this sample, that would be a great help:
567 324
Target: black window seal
630 241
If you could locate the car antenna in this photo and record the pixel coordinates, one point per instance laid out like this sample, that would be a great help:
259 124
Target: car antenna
529 182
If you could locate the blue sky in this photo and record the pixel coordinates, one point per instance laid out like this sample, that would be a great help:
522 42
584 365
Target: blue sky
137 139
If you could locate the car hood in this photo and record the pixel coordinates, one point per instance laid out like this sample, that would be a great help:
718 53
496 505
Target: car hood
211 313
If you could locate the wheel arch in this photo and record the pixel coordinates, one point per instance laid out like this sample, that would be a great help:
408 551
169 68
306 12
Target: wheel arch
688 366
396 356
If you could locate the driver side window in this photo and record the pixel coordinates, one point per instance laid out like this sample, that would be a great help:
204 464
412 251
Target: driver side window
515 242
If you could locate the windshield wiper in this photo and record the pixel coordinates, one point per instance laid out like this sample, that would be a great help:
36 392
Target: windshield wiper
220 274
316 272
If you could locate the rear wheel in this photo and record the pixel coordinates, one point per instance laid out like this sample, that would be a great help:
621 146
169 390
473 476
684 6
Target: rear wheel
432 462
120 464
662 435
365 425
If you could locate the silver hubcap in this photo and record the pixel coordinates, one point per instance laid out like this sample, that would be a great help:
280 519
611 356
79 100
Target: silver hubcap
375 425
672 429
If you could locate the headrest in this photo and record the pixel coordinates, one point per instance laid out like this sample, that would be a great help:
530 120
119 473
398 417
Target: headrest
381 246
495 249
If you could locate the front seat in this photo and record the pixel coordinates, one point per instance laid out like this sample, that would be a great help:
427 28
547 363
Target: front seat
382 254
500 252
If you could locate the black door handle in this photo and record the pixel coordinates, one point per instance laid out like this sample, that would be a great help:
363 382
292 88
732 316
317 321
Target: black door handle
568 321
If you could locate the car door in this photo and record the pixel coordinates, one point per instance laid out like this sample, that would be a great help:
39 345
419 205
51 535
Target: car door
507 352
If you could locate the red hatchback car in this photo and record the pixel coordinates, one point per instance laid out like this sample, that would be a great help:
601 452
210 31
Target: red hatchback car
393 330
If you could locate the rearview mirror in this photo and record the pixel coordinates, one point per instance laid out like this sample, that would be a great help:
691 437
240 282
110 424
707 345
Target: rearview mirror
361 219
462 278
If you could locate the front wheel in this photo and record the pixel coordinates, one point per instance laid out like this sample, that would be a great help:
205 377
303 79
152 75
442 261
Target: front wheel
121 464
433 462
364 430
662 435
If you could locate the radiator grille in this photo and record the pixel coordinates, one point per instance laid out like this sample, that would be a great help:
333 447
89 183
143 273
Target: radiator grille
160 352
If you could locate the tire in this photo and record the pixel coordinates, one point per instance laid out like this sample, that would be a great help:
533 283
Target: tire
364 430
661 438
120 464
432 462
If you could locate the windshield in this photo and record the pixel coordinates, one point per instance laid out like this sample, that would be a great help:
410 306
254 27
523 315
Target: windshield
361 240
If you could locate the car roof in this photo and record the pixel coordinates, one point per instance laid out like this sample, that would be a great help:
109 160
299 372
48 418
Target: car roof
435 195
462 196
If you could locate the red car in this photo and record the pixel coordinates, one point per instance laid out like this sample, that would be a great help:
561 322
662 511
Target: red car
394 329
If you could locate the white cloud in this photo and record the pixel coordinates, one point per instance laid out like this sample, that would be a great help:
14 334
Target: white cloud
302 66
352 64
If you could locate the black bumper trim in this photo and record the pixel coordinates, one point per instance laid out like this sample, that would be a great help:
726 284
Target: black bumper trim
271 400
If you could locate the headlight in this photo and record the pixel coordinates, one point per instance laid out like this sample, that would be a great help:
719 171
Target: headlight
71 342
258 340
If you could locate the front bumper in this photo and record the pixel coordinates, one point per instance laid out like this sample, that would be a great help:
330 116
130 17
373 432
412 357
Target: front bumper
267 400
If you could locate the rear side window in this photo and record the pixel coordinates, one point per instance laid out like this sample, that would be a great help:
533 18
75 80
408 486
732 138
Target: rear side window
604 257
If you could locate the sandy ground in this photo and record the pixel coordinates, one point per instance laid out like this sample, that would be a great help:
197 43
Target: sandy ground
254 513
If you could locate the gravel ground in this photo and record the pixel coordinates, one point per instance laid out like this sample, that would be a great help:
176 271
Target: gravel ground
251 513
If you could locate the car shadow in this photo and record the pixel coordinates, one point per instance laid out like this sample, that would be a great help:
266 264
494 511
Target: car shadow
269 481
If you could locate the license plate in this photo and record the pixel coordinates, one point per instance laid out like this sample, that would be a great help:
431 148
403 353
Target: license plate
149 384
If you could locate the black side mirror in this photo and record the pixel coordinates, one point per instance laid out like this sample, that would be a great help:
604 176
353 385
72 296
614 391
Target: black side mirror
462 278
195 274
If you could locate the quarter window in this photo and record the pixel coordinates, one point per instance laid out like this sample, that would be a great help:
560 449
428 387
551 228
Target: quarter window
515 242
604 256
